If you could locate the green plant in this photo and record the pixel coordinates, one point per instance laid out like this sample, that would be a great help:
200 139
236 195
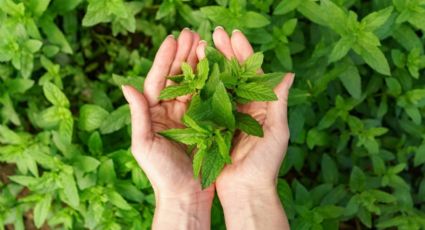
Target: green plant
357 150
212 119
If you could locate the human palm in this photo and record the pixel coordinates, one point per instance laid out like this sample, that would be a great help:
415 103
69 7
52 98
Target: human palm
165 162
255 161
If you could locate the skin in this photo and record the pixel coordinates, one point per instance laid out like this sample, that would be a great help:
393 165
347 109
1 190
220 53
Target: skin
247 187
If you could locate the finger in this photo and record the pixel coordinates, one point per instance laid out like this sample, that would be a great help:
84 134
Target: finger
141 130
184 45
277 118
200 50
222 42
241 47
192 59
155 80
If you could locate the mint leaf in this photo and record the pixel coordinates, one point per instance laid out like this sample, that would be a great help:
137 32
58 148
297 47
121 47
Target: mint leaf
376 19
187 71
55 95
256 92
374 57
248 124
253 63
286 6
269 79
200 109
341 48
41 210
223 147
202 73
175 91
213 164
186 136
352 81
197 161
116 120
222 107
254 20
91 117
188 121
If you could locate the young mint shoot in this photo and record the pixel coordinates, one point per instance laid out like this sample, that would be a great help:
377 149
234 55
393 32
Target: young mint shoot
217 86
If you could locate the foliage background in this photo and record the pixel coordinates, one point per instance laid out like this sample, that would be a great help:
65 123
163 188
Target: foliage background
357 154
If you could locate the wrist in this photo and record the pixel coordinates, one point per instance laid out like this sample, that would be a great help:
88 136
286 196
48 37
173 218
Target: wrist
259 208
244 195
188 211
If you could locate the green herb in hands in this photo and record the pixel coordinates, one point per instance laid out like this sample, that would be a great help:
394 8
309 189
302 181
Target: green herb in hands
211 120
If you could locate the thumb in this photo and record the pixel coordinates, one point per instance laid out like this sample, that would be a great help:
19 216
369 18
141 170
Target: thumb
277 110
141 130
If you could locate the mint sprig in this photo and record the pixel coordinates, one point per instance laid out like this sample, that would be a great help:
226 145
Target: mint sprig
212 119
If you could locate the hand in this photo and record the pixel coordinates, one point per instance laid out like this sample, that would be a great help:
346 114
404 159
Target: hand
179 196
250 181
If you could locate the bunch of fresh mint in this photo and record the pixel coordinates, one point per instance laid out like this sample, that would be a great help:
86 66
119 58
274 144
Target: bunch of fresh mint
217 87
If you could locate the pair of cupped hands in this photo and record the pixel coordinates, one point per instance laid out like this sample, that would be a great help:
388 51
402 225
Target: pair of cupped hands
248 183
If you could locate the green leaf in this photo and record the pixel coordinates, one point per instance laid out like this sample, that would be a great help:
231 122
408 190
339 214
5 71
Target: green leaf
19 85
7 136
95 144
198 159
286 6
289 26
374 57
254 20
175 91
376 19
283 54
55 95
419 155
166 8
41 210
253 63
136 82
249 125
341 49
70 190
312 11
202 73
335 17
352 81
91 117
188 121
329 170
213 164
357 180
186 136
86 163
222 107
223 147
316 138
106 174
269 79
256 92
116 199
116 120
219 15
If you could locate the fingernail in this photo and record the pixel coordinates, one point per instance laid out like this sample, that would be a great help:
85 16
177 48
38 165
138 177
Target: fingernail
203 42
186 28
291 80
235 30
124 89
170 36
218 27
